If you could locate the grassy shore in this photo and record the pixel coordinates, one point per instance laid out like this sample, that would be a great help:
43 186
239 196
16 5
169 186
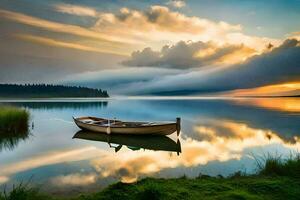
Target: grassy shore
13 126
13 119
277 179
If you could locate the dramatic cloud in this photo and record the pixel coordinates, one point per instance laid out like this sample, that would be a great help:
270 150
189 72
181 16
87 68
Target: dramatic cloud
159 24
162 19
190 54
273 67
76 10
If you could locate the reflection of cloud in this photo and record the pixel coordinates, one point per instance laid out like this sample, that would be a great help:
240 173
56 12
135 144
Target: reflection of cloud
281 104
3 179
128 166
49 159
74 179
190 54
76 10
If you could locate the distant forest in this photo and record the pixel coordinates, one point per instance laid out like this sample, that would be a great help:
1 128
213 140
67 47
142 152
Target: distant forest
48 91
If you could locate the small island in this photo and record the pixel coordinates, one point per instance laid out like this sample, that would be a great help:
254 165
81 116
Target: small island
48 91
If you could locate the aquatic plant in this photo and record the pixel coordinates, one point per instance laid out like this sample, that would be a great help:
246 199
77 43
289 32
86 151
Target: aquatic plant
13 126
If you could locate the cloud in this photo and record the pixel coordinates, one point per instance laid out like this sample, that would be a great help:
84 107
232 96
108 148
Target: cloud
176 3
282 89
158 25
278 65
76 10
56 43
60 27
160 18
190 54
117 79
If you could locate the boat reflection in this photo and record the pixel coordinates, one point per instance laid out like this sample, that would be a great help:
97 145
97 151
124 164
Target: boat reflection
133 142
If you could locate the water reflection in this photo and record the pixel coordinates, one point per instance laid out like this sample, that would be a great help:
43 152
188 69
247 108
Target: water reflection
280 104
133 142
218 137
10 140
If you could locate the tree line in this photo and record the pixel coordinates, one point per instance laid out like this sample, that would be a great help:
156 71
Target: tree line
48 90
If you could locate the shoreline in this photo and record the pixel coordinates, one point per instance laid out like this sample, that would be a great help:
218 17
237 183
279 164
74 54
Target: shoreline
203 187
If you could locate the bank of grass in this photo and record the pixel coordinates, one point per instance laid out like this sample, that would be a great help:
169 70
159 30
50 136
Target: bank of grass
13 126
268 183
13 120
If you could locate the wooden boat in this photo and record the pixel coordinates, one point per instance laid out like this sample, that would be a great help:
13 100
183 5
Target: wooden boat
109 126
133 142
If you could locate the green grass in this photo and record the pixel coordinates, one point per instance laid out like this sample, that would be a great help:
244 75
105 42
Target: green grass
23 192
13 119
276 166
13 126
276 179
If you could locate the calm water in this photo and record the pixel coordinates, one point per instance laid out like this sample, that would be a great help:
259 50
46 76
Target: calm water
217 137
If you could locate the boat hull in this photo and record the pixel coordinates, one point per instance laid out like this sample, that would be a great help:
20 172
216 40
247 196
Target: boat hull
158 129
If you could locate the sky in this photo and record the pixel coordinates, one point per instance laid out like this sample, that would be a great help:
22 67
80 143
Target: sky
169 47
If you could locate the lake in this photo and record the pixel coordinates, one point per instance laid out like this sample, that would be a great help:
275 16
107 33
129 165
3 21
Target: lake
218 137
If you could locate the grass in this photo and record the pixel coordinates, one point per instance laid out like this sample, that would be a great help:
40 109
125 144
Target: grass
13 119
276 166
13 126
276 179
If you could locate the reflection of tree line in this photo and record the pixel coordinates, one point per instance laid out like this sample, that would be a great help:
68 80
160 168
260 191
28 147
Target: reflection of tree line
61 105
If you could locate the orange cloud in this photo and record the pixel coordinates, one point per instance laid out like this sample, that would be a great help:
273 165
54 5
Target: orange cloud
159 23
